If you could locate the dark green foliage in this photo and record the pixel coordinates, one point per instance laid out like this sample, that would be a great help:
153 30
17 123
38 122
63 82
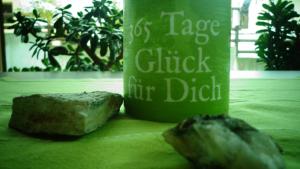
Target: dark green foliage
93 38
279 42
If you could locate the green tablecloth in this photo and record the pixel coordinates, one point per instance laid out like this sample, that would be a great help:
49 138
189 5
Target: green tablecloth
271 105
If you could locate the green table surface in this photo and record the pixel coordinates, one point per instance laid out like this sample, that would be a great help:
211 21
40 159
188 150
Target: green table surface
270 104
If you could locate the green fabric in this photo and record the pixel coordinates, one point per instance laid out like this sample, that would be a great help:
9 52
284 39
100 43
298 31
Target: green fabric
270 105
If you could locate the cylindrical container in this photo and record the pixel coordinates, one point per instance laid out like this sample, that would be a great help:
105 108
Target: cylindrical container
176 58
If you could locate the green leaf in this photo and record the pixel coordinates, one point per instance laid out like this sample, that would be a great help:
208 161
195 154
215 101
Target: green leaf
15 69
291 15
58 25
94 43
35 13
278 2
55 15
282 5
112 52
103 47
267 7
273 5
97 4
38 53
18 31
80 14
265 16
37 69
31 69
34 52
86 60
70 47
262 18
106 9
290 7
32 47
88 16
97 12
259 23
14 26
25 69
67 13
68 6
24 38
85 37
45 62
59 50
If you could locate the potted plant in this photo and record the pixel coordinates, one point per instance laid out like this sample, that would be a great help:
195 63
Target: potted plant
93 39
279 40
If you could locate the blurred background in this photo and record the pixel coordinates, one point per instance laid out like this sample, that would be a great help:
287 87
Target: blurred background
16 56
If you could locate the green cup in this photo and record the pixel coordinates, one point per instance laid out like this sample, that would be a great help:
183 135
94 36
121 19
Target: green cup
176 58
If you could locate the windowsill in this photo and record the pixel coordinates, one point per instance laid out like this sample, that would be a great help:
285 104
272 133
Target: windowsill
119 75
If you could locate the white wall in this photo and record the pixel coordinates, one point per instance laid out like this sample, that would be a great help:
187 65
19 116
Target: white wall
297 5
18 54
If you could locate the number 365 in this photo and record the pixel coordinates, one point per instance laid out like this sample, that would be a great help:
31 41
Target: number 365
139 29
